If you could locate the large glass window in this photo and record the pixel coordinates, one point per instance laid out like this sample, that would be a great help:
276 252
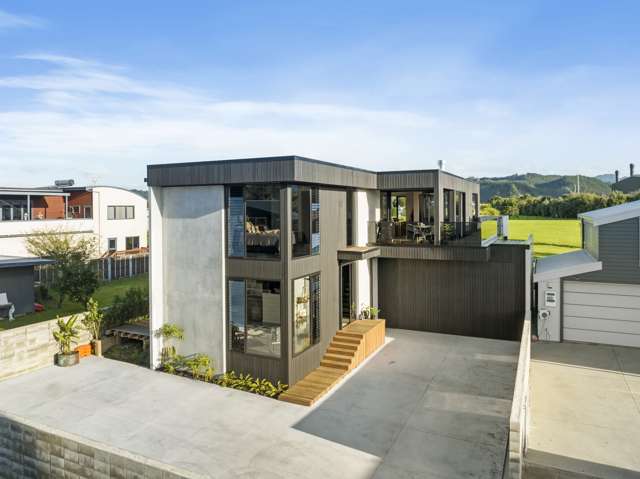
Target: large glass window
399 207
13 208
254 221
132 242
306 312
254 316
305 220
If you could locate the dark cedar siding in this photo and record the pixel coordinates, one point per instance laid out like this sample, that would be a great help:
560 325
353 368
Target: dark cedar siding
333 219
484 299
619 251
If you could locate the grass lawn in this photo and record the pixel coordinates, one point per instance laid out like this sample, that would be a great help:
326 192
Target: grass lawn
104 295
550 235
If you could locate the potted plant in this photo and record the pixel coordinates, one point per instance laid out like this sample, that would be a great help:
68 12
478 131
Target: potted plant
93 322
65 336
369 312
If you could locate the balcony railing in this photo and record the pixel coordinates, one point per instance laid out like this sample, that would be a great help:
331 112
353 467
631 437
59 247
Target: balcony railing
453 233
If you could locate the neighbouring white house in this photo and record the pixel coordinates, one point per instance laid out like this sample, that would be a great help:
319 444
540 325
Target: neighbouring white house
116 217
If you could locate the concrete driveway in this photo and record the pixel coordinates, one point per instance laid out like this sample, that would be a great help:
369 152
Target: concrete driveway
426 405
585 410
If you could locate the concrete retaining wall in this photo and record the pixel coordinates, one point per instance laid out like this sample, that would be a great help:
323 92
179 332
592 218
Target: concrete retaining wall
30 347
520 409
31 450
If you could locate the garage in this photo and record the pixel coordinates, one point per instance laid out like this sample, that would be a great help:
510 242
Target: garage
606 313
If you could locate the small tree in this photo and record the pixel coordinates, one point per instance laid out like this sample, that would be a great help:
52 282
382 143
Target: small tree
71 253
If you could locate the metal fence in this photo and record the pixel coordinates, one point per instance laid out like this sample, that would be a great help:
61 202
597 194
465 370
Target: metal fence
107 269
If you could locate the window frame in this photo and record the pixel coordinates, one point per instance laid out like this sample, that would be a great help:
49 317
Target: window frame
229 347
315 341
244 256
115 241
290 206
114 208
126 240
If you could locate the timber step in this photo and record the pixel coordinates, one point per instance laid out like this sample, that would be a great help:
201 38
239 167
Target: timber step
348 348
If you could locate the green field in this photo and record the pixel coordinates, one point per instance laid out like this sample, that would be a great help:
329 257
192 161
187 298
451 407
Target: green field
550 236
104 295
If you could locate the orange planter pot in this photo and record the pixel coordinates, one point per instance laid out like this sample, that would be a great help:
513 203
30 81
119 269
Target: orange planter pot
84 350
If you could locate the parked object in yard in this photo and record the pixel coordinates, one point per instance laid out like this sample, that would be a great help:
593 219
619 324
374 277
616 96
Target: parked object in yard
65 336
6 308
83 350
38 308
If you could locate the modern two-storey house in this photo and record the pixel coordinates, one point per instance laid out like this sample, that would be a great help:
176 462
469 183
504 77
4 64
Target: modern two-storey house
262 260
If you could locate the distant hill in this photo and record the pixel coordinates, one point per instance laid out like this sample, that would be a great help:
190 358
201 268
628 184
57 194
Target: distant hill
538 185
607 178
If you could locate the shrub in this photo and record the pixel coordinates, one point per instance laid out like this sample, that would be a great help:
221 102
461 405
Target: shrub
245 382
486 210
42 293
133 304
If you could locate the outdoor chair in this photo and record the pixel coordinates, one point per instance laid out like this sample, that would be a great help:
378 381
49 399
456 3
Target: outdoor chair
6 308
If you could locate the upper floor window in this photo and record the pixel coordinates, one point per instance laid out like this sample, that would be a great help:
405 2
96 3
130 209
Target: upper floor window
254 221
305 220
132 242
120 212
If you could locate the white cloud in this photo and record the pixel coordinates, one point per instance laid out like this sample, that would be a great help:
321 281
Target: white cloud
12 21
85 119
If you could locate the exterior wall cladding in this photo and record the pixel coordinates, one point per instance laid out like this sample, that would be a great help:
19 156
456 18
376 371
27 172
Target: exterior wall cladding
479 291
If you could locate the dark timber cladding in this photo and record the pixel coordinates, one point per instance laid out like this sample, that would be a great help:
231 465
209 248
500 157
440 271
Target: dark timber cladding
471 298
281 169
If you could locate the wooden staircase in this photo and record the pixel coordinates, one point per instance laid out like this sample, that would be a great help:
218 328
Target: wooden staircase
348 348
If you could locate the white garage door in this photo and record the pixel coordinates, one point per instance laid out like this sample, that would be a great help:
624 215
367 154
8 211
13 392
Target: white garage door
601 313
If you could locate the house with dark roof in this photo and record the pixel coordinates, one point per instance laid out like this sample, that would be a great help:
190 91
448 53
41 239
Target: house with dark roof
263 261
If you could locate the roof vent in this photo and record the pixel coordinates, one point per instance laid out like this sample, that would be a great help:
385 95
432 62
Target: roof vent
617 173
441 165
64 183
631 168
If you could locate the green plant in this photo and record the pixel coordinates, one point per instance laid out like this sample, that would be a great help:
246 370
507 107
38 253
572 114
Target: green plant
167 332
42 293
200 366
245 382
66 333
369 312
134 304
92 319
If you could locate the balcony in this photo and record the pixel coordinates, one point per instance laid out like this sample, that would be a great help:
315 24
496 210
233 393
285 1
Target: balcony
476 233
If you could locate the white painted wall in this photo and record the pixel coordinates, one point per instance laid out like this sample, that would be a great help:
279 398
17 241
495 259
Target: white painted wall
188 268
13 234
105 196
366 208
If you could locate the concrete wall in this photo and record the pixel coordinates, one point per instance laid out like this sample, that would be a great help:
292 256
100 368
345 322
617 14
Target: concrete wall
28 449
520 409
105 196
30 347
192 269
13 234
18 284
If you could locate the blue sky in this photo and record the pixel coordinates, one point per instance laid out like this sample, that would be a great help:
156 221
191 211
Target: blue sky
96 90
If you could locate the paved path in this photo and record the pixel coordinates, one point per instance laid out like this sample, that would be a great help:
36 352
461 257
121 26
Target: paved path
426 405
585 411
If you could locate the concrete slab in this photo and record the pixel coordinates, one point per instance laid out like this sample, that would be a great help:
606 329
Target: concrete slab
585 413
426 405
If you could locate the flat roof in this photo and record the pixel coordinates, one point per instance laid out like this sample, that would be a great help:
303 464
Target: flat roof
8 190
289 169
19 261
566 264
612 214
